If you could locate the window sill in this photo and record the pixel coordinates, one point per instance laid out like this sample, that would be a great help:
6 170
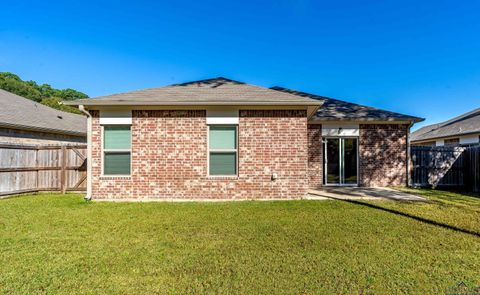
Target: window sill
220 177
116 177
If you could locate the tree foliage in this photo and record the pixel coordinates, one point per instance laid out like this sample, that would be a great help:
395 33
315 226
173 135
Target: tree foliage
43 94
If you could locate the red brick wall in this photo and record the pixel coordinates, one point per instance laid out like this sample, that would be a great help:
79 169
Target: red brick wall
315 156
383 155
169 157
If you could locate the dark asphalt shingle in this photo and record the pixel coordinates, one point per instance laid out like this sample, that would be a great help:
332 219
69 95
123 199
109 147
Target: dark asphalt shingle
339 110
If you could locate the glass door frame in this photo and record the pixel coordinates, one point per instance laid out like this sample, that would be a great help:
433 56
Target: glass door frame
341 164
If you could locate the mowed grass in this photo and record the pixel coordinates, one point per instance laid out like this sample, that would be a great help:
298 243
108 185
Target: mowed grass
61 244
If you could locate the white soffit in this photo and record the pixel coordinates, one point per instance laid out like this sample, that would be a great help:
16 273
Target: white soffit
469 139
116 117
221 117
340 130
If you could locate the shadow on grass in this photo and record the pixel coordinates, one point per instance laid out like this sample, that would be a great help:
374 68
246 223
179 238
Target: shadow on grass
458 199
417 218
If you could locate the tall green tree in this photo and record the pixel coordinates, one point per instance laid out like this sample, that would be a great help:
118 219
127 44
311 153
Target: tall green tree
44 94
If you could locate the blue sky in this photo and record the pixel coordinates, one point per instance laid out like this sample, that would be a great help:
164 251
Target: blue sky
416 57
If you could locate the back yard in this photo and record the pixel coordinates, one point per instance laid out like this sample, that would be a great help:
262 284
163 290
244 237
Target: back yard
61 244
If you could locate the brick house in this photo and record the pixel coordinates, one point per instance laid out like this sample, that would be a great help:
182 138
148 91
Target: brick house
223 139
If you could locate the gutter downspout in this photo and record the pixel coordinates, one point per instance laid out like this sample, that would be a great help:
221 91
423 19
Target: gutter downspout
88 197
409 156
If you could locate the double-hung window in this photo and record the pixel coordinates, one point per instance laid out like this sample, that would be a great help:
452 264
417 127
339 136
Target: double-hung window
116 149
223 153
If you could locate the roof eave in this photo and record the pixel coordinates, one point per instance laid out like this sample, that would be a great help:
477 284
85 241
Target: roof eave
445 136
42 129
408 120
191 103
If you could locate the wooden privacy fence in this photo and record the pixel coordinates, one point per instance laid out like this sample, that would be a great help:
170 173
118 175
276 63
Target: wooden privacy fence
33 168
472 169
457 167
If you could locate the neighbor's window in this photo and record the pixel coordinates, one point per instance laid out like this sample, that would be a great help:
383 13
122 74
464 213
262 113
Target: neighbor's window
116 150
223 150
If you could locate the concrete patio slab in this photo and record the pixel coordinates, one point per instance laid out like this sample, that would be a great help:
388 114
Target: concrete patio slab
361 193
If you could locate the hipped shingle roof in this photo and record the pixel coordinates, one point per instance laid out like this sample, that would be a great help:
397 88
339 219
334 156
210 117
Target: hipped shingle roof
339 110
217 91
222 91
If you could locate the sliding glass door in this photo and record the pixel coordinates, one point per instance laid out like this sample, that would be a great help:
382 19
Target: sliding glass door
332 161
340 160
349 160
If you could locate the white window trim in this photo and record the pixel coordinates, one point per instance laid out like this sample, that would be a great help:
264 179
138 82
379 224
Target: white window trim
222 151
102 140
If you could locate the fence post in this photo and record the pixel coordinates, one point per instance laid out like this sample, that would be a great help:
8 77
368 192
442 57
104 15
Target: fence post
37 172
63 171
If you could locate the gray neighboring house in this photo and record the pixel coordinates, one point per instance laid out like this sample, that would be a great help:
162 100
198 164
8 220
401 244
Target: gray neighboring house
461 130
25 121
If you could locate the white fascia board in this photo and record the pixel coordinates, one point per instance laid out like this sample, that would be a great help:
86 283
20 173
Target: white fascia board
115 117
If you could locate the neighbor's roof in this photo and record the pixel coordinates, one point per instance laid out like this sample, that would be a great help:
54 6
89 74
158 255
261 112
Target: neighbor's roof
339 110
217 91
464 124
21 113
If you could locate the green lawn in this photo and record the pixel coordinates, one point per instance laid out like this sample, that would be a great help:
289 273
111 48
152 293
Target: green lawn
61 244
